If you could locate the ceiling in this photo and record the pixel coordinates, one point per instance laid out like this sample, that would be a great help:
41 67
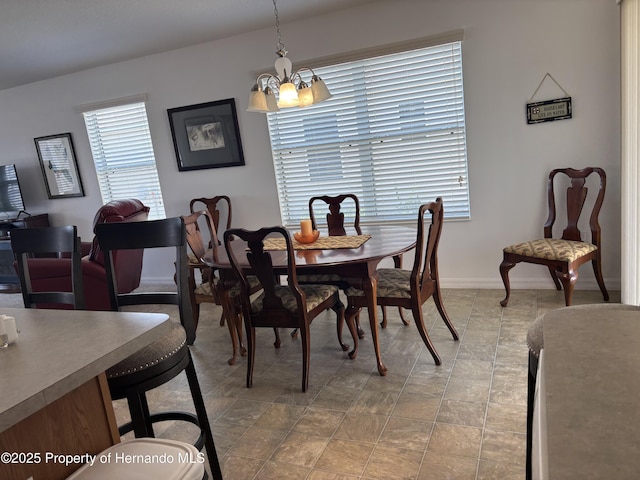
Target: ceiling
42 39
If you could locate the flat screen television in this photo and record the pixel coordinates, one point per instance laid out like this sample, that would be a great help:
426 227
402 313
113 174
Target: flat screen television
10 193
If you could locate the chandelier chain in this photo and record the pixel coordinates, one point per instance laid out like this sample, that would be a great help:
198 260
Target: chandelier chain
280 46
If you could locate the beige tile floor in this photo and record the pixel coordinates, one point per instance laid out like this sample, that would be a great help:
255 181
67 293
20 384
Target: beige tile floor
462 420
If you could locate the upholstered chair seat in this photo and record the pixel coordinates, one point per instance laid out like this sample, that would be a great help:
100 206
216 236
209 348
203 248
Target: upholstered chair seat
552 249
392 282
315 295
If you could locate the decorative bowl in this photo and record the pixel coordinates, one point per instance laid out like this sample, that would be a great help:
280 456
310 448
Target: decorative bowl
306 238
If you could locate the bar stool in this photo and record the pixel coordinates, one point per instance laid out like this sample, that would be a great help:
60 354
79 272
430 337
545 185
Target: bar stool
159 458
167 357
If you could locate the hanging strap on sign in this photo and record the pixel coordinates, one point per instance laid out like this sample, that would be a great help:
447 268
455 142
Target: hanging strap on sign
542 81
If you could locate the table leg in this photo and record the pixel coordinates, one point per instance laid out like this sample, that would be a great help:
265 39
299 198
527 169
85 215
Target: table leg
370 287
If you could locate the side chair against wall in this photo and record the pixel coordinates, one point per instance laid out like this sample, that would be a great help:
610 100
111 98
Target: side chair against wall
167 357
562 256
209 289
278 306
27 242
411 289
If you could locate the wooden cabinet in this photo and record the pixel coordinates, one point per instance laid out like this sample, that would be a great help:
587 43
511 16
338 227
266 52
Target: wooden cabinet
9 282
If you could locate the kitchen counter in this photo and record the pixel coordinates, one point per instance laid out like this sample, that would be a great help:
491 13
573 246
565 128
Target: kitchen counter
591 394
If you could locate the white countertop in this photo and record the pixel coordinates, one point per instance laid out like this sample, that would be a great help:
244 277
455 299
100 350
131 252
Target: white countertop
592 394
59 350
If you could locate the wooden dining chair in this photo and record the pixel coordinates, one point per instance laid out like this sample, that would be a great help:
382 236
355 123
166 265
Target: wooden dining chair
411 289
277 306
210 289
336 225
219 208
27 243
168 356
563 255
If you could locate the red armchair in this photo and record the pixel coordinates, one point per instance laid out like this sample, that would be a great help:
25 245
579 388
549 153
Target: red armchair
55 273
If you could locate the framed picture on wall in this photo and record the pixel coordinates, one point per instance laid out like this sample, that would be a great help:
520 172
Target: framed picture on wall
59 166
206 135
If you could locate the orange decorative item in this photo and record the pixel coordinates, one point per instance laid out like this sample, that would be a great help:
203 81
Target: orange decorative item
306 238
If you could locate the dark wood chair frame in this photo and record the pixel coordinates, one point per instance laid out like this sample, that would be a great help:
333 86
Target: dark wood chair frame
424 278
565 274
336 226
274 314
212 205
27 242
169 232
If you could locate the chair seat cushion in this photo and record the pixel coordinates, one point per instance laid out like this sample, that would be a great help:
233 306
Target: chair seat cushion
552 249
152 354
392 283
205 287
315 294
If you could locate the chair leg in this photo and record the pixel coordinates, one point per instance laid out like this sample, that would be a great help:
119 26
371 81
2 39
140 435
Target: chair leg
203 419
505 266
597 271
437 299
568 281
554 276
306 355
531 390
351 315
140 424
339 309
419 321
251 352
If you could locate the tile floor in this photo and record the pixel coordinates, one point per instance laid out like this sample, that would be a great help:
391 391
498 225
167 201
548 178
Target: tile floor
462 420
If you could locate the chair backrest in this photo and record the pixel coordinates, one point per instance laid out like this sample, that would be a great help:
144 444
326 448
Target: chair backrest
576 195
194 224
425 265
27 242
169 232
335 218
218 207
254 256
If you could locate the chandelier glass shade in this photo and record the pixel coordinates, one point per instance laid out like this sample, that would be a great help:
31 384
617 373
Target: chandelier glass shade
291 89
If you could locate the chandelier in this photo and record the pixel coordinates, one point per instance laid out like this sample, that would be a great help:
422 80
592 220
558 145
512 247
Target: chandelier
292 90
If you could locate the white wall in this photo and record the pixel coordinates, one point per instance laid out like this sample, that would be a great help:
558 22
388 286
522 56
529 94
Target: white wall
509 45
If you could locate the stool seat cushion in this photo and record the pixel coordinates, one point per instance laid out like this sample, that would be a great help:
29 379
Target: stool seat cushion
152 354
535 340
552 249
144 459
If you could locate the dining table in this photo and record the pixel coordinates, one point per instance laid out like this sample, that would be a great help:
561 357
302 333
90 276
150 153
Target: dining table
55 406
332 256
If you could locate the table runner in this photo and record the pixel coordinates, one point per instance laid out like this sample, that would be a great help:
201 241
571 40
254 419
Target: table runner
323 243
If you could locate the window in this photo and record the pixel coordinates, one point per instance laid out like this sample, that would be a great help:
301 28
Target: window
393 134
123 154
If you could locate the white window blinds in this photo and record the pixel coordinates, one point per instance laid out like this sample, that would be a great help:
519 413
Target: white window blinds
393 134
123 155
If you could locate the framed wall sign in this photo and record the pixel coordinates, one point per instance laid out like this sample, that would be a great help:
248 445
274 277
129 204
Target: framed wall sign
549 110
206 135
59 166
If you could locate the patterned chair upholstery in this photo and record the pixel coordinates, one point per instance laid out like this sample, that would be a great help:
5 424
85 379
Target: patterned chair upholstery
562 256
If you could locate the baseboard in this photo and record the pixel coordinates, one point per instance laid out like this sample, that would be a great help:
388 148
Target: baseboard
541 283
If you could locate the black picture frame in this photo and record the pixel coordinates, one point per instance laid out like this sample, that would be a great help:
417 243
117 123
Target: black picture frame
206 135
59 166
